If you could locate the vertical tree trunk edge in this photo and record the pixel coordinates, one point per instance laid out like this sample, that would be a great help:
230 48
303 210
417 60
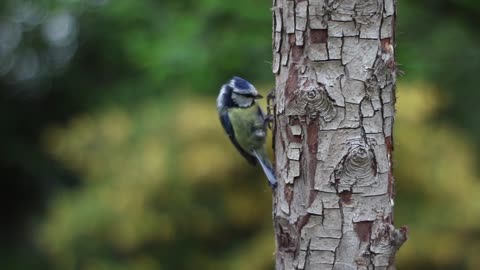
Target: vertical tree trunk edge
334 112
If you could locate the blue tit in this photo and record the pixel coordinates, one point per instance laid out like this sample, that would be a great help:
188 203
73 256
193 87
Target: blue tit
245 123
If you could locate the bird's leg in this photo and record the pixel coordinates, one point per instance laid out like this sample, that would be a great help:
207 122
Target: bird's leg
270 109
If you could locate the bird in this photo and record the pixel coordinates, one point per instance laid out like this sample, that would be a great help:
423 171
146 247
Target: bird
245 123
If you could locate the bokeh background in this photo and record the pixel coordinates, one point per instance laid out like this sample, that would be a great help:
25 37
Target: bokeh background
112 158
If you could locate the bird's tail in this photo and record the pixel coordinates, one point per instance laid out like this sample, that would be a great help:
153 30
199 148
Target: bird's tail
267 167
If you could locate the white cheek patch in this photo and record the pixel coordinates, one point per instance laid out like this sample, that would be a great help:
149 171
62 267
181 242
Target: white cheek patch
260 133
242 101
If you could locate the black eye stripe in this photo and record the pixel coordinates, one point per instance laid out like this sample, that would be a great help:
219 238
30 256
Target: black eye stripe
245 94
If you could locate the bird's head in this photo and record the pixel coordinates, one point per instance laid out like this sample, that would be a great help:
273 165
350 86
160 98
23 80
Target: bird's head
243 92
243 88
237 92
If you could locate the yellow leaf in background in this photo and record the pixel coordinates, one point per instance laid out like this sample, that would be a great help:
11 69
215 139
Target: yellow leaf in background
436 179
206 162
197 119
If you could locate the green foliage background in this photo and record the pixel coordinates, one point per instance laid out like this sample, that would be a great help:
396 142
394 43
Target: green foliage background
111 155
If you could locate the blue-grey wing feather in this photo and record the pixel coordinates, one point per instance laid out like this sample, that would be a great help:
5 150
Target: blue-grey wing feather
227 125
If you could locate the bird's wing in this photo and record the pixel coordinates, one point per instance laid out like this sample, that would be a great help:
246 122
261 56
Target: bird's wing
227 125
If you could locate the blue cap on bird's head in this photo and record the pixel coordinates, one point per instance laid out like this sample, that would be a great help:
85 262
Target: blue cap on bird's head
243 87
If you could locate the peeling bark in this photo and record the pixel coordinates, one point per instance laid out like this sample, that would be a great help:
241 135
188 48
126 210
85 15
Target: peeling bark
334 112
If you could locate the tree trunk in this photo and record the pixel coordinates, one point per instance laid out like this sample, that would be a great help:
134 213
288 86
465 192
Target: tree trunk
334 111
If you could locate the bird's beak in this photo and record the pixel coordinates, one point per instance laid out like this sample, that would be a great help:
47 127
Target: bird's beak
258 96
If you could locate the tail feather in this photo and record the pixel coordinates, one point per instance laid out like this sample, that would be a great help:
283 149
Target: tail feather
267 167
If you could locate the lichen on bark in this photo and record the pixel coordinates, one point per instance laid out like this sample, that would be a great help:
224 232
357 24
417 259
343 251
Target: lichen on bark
334 113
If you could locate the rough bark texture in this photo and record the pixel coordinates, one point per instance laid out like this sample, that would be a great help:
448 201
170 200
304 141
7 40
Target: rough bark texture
335 97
